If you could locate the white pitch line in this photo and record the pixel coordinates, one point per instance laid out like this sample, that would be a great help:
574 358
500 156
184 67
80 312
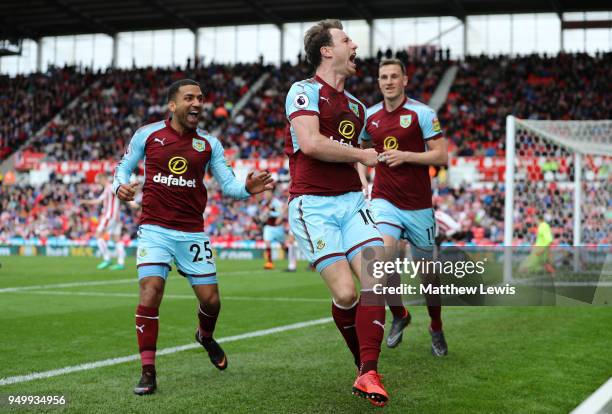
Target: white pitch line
599 402
71 284
106 282
278 299
169 296
165 351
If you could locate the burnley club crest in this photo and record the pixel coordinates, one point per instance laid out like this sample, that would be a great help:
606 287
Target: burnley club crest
199 145
405 121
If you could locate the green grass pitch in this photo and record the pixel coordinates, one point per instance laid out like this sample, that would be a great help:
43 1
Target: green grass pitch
501 360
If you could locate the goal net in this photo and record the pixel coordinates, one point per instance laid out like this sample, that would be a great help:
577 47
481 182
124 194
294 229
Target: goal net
559 172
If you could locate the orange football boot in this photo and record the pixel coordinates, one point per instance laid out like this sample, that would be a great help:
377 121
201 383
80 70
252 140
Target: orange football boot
369 386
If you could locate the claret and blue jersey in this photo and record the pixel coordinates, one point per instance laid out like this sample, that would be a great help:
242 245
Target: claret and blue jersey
401 196
407 128
174 198
342 119
174 195
327 210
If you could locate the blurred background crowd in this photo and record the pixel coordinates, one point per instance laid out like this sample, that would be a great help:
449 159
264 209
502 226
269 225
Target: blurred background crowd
91 117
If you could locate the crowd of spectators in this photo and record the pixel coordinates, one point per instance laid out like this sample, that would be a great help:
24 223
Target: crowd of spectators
52 211
102 122
484 92
479 210
104 119
28 102
487 89
228 220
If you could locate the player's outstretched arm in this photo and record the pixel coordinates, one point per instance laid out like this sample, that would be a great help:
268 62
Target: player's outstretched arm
436 155
315 145
226 178
125 190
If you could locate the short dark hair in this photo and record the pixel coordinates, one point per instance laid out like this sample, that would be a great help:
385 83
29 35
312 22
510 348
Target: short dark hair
174 88
318 36
387 62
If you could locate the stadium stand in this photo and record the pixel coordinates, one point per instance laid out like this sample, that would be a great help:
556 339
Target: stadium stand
98 127
486 90
51 212
28 102
101 123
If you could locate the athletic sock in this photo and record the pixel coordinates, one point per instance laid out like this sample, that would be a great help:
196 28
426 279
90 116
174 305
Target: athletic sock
434 303
291 257
395 301
269 254
208 319
435 313
103 249
345 322
370 323
399 312
120 253
371 365
147 326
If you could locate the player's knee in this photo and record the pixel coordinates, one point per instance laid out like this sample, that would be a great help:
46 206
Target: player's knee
209 298
151 294
211 305
212 299
345 298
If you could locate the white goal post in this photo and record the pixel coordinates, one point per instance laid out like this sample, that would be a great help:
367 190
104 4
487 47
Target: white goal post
562 171
570 155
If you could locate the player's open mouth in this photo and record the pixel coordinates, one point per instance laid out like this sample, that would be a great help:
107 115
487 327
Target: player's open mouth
193 116
352 59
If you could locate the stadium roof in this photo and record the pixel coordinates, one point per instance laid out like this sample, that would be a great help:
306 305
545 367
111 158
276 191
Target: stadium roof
40 18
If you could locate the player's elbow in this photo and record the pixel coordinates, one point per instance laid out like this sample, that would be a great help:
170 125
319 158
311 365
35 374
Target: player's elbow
440 152
440 157
308 147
